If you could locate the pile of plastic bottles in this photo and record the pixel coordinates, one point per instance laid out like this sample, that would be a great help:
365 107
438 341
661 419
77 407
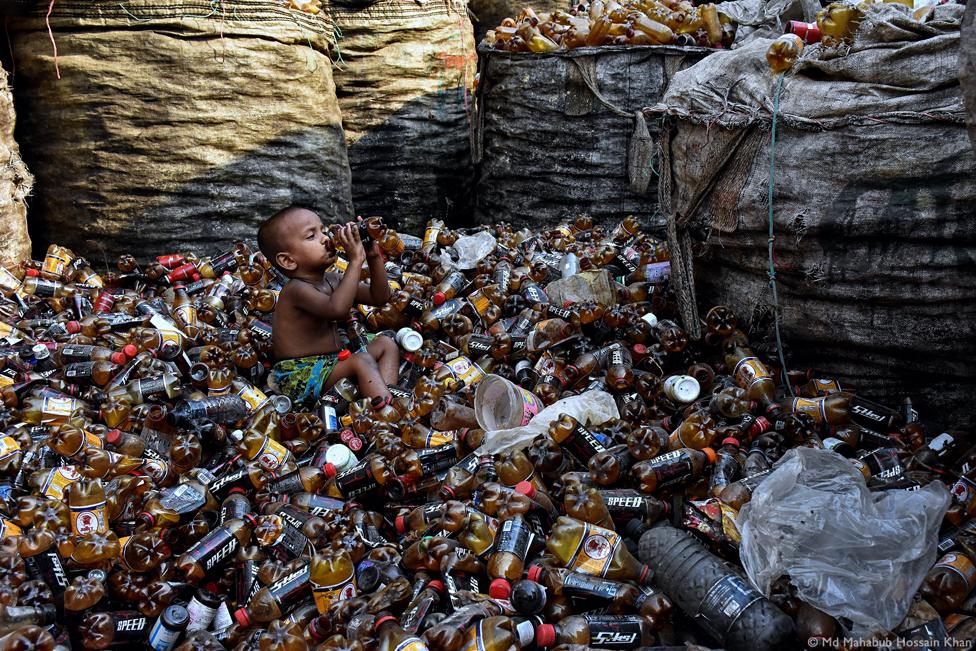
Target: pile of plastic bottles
156 491
601 23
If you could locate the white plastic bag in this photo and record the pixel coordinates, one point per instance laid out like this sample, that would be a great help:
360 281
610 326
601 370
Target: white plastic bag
850 552
591 408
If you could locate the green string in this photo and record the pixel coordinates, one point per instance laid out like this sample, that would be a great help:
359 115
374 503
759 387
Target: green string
772 236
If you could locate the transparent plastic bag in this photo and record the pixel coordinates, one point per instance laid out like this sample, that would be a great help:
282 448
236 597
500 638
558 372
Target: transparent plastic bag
470 249
591 408
850 552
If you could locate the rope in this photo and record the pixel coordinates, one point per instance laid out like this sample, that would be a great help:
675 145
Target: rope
47 21
596 93
772 237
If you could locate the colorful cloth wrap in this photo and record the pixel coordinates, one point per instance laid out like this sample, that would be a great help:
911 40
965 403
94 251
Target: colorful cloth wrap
302 378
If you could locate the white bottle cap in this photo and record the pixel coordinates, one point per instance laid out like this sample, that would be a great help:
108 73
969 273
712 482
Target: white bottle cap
340 456
682 388
409 339
651 319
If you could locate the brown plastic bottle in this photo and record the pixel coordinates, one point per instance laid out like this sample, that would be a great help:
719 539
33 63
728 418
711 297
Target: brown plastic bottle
949 582
102 630
392 636
86 498
450 633
511 545
28 638
575 438
647 441
332 575
749 373
697 432
274 601
623 596
218 545
672 469
587 505
620 631
586 548
142 552
609 466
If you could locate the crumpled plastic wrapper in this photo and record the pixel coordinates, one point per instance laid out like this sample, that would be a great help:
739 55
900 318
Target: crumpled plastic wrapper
591 408
468 250
850 552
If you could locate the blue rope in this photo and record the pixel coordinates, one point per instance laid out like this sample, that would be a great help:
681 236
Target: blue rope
772 236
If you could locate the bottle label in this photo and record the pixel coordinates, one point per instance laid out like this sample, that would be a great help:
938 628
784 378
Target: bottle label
326 595
288 589
213 548
480 344
614 631
183 499
576 584
9 447
293 539
749 370
583 444
412 644
8 528
595 550
155 469
466 371
54 409
130 626
89 519
671 468
535 294
514 537
815 408
657 272
474 639
162 638
724 604
480 302
227 482
58 480
252 396
55 264
357 480
962 566
871 415
286 484
623 505
271 455
445 309
48 567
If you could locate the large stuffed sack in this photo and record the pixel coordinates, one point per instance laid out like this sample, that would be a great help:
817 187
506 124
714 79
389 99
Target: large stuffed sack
967 67
15 185
563 134
158 127
404 76
875 183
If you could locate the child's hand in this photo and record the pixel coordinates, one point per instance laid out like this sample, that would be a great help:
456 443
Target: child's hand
349 239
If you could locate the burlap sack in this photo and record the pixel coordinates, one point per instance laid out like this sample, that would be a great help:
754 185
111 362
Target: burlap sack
15 185
404 74
967 67
875 183
555 135
175 125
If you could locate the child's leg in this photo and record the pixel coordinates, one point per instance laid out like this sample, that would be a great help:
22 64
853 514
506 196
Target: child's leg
362 369
387 355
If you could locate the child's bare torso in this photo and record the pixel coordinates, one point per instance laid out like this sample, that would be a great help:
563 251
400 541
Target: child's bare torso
295 332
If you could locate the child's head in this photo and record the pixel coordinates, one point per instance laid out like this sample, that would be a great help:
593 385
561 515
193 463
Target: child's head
295 241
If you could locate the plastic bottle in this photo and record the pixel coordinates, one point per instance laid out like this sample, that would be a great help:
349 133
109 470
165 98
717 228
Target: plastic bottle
707 589
587 548
673 468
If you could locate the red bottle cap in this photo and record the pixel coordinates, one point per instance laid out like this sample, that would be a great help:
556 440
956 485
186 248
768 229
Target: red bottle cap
251 519
401 524
344 354
112 436
640 350
809 32
450 492
534 573
500 589
32 273
710 453
731 441
118 358
238 489
73 327
130 350
439 298
242 617
436 585
383 620
545 635
526 488
330 470
645 576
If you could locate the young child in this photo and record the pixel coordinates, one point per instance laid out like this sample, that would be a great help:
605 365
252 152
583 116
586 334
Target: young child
305 333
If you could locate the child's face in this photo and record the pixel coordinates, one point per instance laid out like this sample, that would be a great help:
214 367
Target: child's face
309 247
